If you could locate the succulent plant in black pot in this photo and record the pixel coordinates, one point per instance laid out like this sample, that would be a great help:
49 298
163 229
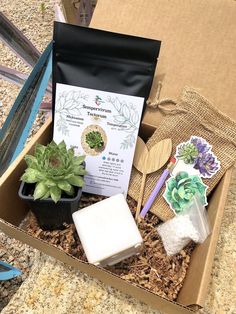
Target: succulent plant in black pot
52 184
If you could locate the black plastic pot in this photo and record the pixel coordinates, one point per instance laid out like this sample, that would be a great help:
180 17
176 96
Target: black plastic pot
50 215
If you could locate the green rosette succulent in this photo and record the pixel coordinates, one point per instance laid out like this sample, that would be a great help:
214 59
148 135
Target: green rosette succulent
188 153
94 140
54 170
181 189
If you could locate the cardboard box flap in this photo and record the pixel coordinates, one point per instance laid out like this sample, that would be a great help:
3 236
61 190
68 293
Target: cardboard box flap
198 44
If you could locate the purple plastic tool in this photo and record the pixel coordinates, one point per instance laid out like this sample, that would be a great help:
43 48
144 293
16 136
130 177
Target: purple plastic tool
158 186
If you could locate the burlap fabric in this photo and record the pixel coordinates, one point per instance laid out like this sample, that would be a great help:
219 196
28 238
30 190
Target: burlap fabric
192 115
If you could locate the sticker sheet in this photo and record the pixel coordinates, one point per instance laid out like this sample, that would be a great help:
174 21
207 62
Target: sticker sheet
195 161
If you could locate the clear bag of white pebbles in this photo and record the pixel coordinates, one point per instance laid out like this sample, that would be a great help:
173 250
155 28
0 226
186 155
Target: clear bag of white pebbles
192 225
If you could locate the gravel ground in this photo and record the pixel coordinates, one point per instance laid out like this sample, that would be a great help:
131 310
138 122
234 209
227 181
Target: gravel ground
19 255
28 17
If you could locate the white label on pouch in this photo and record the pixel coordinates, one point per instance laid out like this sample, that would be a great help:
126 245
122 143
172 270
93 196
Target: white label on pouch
103 126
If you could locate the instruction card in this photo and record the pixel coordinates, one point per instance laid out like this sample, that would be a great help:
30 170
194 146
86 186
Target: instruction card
103 126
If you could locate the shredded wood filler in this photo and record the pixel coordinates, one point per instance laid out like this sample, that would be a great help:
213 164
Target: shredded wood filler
152 269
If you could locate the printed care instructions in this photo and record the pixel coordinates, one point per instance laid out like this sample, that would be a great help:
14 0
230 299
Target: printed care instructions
103 126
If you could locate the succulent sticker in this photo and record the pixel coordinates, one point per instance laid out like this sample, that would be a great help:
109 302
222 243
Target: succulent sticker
180 190
197 152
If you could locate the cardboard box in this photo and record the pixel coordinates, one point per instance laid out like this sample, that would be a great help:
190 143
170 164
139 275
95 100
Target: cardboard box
194 290
198 44
198 49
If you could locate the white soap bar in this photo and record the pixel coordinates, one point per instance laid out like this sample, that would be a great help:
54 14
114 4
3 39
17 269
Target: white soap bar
108 231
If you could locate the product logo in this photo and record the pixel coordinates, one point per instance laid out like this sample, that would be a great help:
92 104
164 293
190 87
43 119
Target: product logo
98 100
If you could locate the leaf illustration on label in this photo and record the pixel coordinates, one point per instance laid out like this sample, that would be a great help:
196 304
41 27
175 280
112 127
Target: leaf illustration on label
116 104
69 96
128 116
62 126
134 118
68 103
126 111
75 111
119 119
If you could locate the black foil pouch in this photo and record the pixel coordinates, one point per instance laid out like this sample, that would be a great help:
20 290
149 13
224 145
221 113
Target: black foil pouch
101 81
102 60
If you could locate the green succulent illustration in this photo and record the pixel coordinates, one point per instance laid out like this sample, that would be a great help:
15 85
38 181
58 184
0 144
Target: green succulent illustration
188 152
181 189
54 169
94 140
